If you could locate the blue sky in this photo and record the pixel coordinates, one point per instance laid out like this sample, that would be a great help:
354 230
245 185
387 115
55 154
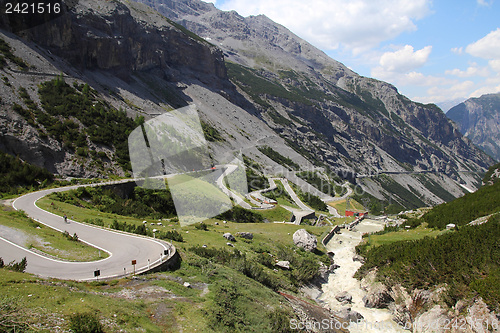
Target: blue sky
432 51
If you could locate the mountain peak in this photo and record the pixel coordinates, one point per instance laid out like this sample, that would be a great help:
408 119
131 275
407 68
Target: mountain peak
479 119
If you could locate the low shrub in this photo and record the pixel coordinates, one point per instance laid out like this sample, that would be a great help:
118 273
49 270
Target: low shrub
201 226
15 266
85 323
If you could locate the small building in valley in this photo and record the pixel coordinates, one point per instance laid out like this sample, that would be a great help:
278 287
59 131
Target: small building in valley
356 212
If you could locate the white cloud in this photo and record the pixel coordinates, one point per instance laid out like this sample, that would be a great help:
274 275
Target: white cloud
419 79
405 59
495 65
487 47
457 50
355 25
410 79
484 3
472 70
485 90
398 67
440 94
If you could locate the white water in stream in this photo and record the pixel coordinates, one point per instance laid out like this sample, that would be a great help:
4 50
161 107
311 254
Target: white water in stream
343 244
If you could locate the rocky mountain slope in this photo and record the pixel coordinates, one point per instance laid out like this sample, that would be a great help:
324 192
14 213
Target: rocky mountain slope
325 111
253 82
479 120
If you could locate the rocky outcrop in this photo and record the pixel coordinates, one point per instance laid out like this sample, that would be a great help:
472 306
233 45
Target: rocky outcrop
424 311
377 294
359 258
305 240
311 316
432 321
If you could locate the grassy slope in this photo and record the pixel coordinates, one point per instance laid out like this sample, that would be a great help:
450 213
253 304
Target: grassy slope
278 213
195 310
49 303
340 205
466 260
262 231
401 235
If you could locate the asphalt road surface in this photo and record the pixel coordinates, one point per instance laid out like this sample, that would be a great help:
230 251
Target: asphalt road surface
122 248
293 195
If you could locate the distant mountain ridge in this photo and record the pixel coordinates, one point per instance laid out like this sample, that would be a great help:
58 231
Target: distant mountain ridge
479 120
447 105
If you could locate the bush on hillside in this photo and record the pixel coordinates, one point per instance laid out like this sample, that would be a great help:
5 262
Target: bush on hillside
467 260
86 322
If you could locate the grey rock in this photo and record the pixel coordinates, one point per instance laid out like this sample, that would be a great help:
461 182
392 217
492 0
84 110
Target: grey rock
283 264
349 315
378 297
229 237
246 235
436 314
344 297
305 240
359 258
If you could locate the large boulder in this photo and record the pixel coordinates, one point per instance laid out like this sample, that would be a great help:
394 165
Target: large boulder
344 297
285 264
305 240
229 237
349 315
378 297
359 258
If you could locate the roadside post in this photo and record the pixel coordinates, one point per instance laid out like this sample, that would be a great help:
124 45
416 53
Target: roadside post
134 262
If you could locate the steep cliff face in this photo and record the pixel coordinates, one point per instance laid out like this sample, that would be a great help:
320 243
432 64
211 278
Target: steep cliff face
479 120
123 39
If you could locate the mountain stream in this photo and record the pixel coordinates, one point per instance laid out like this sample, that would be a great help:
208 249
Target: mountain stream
343 244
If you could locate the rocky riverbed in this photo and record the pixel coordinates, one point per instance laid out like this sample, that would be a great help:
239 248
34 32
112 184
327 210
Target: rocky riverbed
346 295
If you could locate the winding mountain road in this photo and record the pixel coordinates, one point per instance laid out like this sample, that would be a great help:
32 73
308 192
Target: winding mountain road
122 247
